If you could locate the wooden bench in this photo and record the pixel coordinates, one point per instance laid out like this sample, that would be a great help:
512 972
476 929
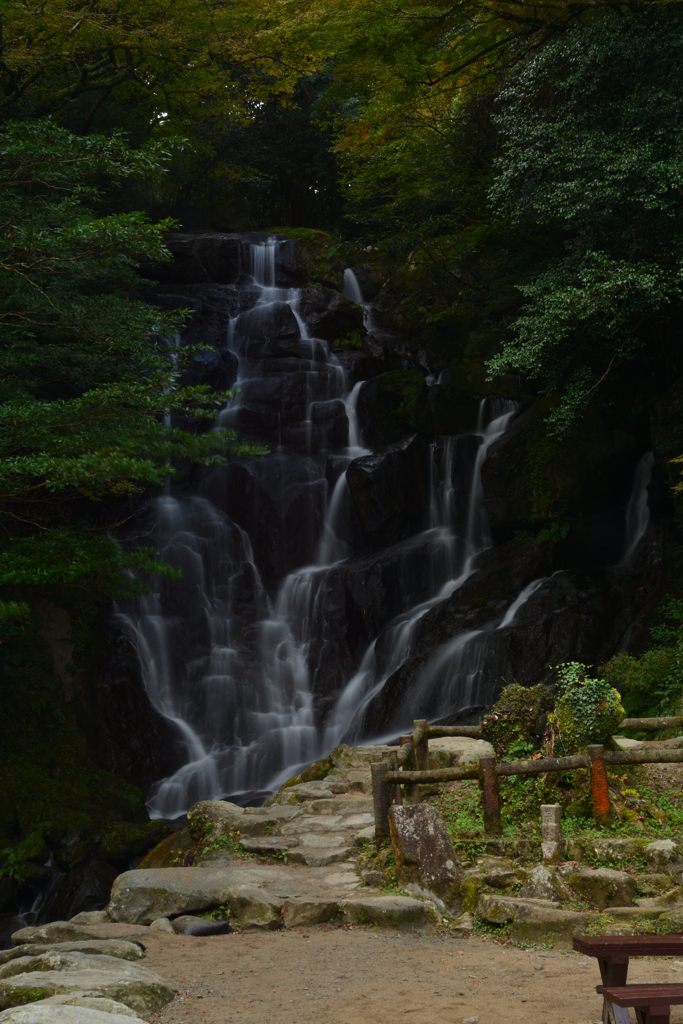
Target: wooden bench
613 953
652 1003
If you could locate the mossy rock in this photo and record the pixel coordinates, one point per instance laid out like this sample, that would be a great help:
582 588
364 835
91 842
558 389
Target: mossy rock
121 841
170 852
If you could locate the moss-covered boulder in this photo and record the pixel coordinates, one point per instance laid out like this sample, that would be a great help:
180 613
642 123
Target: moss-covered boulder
604 887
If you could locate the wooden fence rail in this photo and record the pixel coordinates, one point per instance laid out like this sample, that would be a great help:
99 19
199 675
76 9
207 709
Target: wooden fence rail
397 779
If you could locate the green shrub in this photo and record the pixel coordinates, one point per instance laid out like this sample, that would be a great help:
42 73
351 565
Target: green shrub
511 724
587 711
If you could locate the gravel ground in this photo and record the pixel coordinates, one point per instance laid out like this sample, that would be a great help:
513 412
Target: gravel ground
331 975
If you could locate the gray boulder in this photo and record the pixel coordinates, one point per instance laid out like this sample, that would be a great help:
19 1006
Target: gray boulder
542 883
162 924
45 1012
423 851
119 948
142 896
212 818
663 855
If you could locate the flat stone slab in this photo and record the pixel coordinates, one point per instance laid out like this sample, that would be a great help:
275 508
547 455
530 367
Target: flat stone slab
55 931
306 911
502 909
354 821
268 844
321 842
47 1013
120 948
320 858
319 823
343 805
390 912
347 879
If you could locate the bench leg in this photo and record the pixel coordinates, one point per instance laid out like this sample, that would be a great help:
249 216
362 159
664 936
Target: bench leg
612 1014
613 973
660 1015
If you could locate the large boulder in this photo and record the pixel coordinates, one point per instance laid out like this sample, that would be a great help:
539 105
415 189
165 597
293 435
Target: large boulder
212 818
390 491
543 883
423 851
604 887
142 896
663 855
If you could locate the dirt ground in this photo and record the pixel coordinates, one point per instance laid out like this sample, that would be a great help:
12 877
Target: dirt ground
329 975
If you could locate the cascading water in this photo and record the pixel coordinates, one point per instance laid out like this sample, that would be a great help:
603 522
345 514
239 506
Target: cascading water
637 510
238 652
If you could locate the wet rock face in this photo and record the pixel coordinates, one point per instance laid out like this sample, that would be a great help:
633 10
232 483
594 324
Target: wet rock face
459 651
210 257
390 491
328 315
393 406
112 698
529 478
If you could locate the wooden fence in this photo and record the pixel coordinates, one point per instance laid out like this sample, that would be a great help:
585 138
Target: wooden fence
397 779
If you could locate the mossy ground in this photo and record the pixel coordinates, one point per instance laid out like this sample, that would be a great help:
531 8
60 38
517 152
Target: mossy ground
649 797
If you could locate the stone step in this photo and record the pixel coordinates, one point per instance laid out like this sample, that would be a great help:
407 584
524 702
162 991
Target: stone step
320 857
341 805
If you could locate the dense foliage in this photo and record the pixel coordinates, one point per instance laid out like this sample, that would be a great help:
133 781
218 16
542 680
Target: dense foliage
87 371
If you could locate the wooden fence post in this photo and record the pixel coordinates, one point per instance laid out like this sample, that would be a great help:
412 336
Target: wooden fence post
412 789
422 748
395 790
601 808
490 796
381 799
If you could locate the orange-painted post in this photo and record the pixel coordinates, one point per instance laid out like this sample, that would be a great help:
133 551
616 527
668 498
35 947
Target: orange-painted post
490 796
599 788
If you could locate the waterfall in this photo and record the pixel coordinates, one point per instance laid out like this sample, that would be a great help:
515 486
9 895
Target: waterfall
352 290
637 510
455 557
243 655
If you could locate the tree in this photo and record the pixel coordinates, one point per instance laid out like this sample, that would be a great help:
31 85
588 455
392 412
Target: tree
190 60
88 376
592 150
